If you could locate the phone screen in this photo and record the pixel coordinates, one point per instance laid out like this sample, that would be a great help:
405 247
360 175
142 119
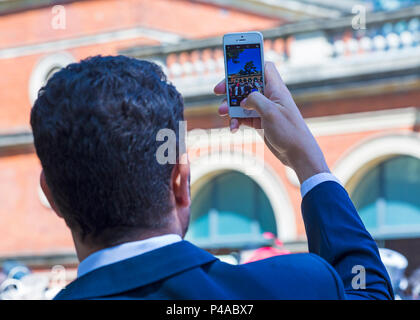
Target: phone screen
244 71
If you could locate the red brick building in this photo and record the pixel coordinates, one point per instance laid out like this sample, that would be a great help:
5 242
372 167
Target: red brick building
357 88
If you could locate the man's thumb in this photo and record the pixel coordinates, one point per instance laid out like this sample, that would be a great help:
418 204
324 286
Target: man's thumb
256 101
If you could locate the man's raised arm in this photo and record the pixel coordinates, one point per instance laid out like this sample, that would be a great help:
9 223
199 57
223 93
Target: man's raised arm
336 233
334 229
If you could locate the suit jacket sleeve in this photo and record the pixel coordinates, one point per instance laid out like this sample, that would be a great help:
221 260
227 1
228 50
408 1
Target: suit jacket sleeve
336 233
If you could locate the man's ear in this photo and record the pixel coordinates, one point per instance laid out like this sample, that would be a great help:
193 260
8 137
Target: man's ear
48 195
181 182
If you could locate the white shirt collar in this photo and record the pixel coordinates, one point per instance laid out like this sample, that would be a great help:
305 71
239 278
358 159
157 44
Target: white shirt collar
124 251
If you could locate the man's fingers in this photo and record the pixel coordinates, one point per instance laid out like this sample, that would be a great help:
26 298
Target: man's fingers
275 85
224 109
257 101
272 76
220 88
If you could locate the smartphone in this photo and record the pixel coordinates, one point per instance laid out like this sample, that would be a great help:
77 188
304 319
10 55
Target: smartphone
244 67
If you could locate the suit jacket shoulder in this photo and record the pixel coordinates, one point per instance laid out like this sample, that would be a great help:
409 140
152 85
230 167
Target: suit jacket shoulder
184 271
294 276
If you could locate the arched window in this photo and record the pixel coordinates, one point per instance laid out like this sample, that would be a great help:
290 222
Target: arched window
230 211
388 198
44 70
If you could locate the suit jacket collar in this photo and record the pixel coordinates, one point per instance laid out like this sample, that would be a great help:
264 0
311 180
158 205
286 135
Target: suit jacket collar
138 271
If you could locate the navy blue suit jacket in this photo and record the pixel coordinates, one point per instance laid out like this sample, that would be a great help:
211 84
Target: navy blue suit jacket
337 240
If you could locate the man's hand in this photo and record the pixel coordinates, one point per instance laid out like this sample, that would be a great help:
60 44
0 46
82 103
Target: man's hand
285 132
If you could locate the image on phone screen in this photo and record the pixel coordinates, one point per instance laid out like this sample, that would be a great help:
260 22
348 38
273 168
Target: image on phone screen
244 71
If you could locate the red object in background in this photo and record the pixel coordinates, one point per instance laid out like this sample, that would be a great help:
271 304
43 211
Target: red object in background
267 252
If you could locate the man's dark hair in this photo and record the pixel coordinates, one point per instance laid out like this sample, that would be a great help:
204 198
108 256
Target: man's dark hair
95 125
